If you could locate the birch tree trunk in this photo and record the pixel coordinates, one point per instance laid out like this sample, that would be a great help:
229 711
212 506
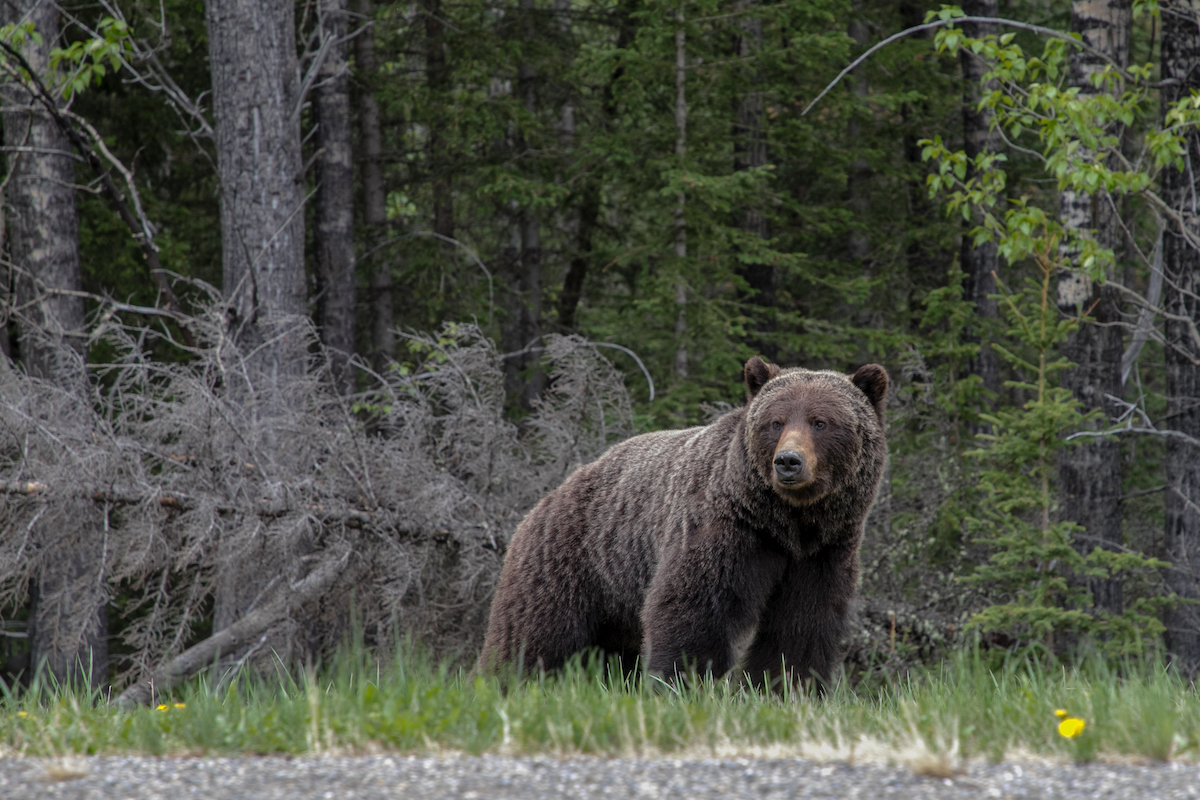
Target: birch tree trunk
980 262
255 98
334 201
1181 265
1089 474
68 634
383 339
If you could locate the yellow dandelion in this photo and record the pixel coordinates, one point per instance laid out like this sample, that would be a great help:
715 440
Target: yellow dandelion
1071 727
1061 713
181 705
22 713
162 707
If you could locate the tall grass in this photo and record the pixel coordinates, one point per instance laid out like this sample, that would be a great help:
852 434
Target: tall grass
964 709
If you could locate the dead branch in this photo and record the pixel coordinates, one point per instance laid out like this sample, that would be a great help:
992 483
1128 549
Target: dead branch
425 480
139 225
1169 434
384 518
290 598
942 23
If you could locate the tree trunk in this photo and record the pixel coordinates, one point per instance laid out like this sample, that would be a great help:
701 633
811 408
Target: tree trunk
927 261
69 622
680 366
68 629
383 339
255 95
334 201
858 172
1089 474
437 76
43 224
572 291
980 262
523 379
252 53
1181 264
589 206
284 602
750 152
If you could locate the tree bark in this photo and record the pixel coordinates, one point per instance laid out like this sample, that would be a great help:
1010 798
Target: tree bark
750 152
69 623
589 206
255 98
68 630
572 290
980 262
680 366
858 172
43 224
437 76
383 339
334 201
1181 265
255 90
523 379
1090 474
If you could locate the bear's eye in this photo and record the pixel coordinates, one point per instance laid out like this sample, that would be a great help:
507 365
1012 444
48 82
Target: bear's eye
819 424
776 425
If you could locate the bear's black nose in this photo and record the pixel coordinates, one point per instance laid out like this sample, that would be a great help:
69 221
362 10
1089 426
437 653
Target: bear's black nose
789 464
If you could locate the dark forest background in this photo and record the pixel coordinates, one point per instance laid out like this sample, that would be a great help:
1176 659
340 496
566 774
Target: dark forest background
308 302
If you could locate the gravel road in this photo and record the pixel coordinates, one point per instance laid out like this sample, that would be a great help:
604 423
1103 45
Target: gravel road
523 778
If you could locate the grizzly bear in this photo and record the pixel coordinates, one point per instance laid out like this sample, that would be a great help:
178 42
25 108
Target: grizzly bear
710 547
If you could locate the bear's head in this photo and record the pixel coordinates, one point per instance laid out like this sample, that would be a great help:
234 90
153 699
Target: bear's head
806 430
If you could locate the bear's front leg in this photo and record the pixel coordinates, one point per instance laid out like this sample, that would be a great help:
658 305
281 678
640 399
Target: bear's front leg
800 634
700 602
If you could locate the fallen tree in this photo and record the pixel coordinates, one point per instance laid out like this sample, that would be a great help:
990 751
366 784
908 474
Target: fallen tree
254 626
412 486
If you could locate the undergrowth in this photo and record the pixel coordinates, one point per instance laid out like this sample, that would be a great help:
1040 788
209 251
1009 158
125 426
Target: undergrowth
932 720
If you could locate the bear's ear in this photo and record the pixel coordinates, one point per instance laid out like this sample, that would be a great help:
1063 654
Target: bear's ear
756 374
872 379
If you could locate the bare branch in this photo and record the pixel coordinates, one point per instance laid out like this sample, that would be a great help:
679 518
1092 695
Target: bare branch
448 240
1145 323
942 23
139 225
422 467
1149 431
246 629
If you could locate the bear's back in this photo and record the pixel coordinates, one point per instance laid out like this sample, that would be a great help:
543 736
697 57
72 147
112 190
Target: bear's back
636 503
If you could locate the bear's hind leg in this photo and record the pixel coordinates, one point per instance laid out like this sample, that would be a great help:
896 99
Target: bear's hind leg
529 631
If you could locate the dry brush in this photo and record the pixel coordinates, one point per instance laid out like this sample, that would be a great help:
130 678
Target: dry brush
392 506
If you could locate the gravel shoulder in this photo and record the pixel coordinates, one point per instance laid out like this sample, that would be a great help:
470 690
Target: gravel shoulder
492 777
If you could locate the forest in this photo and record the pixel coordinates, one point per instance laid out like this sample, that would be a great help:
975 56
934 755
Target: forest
307 303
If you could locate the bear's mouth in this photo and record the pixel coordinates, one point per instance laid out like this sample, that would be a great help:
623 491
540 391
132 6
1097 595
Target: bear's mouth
797 482
798 492
792 482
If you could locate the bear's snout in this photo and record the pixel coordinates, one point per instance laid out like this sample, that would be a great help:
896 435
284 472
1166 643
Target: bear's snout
794 460
789 465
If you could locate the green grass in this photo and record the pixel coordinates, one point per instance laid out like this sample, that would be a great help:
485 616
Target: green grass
931 720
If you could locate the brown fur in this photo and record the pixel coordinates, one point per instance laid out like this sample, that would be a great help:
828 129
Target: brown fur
679 546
